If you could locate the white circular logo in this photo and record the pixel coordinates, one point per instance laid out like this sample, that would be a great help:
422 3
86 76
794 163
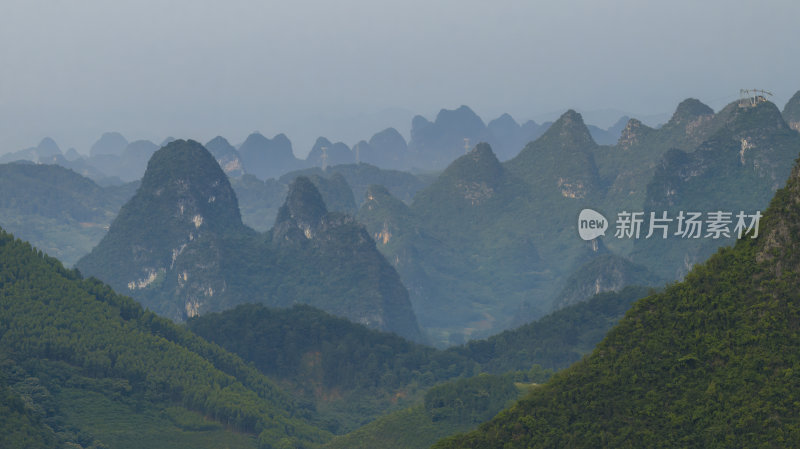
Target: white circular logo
591 224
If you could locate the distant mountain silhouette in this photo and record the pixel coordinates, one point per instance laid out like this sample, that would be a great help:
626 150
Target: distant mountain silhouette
109 143
435 144
268 158
337 153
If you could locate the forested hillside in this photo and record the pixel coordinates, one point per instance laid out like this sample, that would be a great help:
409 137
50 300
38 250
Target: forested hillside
91 366
354 374
58 210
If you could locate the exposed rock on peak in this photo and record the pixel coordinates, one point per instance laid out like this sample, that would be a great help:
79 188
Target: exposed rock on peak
568 133
764 117
303 211
633 134
606 272
179 247
479 165
226 155
377 195
562 159
183 208
472 179
791 112
333 242
185 177
738 168
688 111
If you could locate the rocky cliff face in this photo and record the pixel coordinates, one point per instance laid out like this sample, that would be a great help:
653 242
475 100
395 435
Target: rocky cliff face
335 246
227 156
167 241
179 246
791 111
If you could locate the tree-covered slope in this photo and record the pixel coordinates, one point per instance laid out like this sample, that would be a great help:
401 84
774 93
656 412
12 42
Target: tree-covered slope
58 210
710 362
67 341
556 340
20 426
354 374
446 409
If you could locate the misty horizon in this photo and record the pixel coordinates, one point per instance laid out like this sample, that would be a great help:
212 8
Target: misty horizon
347 70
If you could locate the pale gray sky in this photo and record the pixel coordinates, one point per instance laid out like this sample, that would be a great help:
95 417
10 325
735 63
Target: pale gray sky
346 69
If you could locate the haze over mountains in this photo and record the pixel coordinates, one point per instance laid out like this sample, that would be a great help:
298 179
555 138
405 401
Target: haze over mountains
453 258
112 159
707 363
474 240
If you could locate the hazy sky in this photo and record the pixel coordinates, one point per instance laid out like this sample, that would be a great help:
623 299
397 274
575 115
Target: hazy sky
348 68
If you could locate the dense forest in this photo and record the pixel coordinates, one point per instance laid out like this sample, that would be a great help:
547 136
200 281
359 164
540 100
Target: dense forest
353 374
61 335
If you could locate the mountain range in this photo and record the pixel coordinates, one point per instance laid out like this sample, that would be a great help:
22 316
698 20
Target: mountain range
114 160
471 244
303 329
179 246
709 362
486 238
